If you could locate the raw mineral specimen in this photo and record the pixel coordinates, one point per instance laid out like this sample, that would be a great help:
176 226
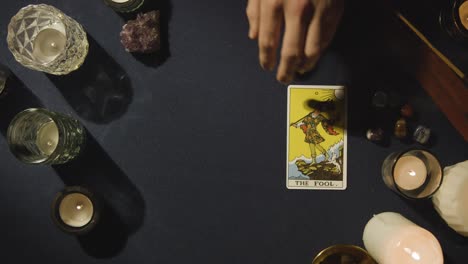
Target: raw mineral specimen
375 134
143 34
400 128
407 111
422 134
380 99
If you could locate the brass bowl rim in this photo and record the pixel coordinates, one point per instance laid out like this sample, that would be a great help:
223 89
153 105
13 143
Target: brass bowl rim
322 253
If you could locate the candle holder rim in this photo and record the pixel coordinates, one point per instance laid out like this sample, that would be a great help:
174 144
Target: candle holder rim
56 213
122 7
347 247
400 191
454 13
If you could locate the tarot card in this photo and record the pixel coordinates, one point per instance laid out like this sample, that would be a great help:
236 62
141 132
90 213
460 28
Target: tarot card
316 137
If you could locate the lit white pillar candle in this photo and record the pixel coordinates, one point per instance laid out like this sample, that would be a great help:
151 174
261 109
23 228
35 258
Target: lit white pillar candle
76 210
47 138
49 43
410 173
451 200
390 238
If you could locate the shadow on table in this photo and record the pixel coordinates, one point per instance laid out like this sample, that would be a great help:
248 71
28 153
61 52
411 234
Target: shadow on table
100 90
377 61
165 8
425 208
123 205
15 98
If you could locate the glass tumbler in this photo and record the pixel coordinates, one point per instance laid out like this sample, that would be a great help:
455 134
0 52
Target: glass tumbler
415 173
39 136
4 73
43 38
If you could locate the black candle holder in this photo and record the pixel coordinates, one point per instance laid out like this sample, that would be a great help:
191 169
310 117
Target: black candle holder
58 220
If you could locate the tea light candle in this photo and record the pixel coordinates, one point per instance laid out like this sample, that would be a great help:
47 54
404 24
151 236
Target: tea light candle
47 138
451 200
390 238
48 44
463 14
410 173
75 210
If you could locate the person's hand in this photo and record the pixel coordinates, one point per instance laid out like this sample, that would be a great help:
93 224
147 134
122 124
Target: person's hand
309 28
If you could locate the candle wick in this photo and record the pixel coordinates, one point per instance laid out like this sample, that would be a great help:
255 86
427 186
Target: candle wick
79 206
412 173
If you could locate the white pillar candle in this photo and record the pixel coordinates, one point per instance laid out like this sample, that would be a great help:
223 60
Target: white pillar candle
392 239
451 200
48 44
47 138
76 210
410 173
120 1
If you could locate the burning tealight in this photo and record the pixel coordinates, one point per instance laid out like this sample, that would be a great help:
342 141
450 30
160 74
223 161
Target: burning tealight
413 174
390 238
409 173
49 44
75 210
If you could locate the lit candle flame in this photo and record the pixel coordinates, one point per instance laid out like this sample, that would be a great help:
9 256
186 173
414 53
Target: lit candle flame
79 206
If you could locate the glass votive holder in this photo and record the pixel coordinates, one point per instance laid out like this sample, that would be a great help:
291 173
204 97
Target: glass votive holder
125 6
454 19
4 74
414 173
76 210
43 38
349 254
390 238
39 136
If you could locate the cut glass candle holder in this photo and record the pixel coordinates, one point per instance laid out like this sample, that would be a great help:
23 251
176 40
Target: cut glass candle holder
39 136
43 38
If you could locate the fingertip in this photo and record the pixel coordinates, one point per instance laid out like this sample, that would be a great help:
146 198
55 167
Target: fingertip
284 79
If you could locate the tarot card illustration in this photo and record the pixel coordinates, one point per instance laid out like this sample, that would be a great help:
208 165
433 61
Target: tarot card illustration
316 137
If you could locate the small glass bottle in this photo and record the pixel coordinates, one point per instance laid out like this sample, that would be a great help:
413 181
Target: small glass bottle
39 136
43 38
124 6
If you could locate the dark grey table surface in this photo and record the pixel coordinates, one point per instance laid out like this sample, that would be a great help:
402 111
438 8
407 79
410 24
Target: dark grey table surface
189 150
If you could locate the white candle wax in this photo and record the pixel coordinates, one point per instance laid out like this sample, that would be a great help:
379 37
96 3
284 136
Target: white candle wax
410 173
392 239
76 210
451 199
48 44
47 138
120 1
